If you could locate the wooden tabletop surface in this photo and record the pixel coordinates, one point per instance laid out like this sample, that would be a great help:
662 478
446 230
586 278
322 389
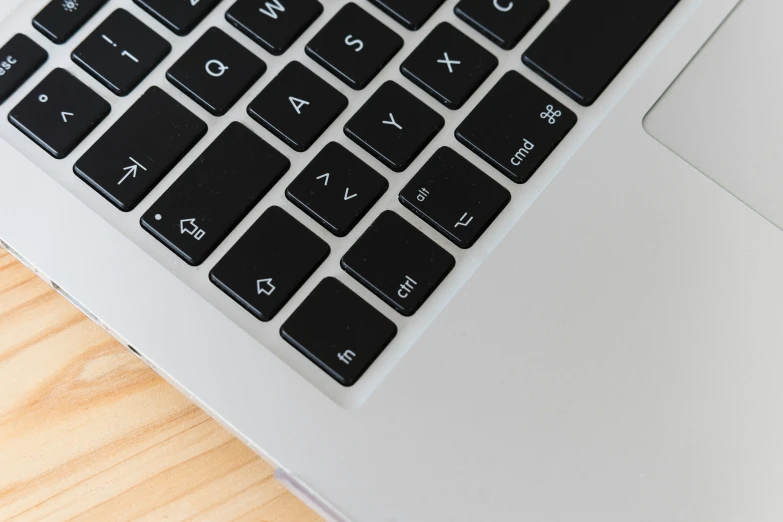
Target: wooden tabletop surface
88 432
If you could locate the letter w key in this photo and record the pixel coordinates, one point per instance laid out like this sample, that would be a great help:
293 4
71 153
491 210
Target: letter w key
274 24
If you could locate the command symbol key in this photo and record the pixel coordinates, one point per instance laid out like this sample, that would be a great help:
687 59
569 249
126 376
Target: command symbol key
516 127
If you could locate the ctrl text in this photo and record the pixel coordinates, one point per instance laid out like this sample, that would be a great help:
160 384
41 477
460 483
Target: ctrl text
406 288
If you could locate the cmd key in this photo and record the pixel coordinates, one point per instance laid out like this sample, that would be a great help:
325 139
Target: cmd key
516 127
339 331
207 201
590 41
140 148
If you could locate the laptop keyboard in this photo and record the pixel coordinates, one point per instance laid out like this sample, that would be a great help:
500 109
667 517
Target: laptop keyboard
514 128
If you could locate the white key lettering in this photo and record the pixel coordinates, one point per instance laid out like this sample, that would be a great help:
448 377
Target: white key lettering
448 62
350 41
271 8
406 288
298 104
502 8
524 152
346 357
392 122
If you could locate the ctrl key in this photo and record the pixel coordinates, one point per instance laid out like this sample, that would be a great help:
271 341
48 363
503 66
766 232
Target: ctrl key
339 331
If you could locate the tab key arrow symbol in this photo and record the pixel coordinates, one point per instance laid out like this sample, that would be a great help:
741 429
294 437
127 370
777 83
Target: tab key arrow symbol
131 170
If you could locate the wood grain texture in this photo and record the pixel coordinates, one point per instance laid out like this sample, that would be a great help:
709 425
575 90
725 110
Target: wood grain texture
88 432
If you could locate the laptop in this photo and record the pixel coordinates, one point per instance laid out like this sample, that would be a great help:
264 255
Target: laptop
442 260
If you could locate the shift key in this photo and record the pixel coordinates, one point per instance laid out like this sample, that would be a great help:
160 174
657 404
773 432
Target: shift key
207 201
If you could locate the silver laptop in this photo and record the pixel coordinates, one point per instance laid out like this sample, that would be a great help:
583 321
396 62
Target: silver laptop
436 260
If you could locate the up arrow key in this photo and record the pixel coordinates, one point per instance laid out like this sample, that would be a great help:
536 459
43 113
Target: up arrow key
65 115
265 286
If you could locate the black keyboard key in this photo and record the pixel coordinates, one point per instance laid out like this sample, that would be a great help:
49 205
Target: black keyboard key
516 127
339 331
337 189
590 41
266 267
449 66
455 197
182 16
59 113
140 148
216 71
121 52
19 59
412 14
398 263
504 22
60 19
354 46
394 126
297 106
208 200
274 24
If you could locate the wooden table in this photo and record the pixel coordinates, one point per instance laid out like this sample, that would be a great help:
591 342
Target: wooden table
88 432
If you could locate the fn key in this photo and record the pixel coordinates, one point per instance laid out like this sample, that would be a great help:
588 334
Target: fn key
339 331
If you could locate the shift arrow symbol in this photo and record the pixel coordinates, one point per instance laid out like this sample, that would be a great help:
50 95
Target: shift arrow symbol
265 286
65 116
192 229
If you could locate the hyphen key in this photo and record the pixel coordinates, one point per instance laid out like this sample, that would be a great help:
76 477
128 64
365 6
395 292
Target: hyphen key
590 41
